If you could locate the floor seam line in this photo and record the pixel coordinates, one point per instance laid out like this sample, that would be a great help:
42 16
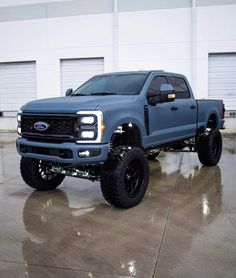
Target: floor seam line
167 218
64 268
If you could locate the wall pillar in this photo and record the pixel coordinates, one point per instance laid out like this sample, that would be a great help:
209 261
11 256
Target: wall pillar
115 36
193 44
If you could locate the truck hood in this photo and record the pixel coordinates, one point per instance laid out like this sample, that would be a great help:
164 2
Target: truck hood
73 104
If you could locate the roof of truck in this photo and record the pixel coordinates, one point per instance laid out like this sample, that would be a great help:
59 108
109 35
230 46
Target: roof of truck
141 72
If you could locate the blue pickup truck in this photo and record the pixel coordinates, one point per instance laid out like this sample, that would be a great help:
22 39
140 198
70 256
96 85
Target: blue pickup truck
110 127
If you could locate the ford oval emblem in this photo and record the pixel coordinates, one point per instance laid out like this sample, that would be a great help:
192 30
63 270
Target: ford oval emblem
41 126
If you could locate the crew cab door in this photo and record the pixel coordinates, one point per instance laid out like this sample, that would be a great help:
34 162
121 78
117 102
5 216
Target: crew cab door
171 120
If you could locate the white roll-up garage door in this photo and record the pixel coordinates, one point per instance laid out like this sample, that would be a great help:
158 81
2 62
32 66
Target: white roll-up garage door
17 84
222 78
74 72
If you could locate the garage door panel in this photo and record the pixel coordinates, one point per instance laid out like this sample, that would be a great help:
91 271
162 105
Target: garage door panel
219 96
17 84
81 70
14 67
222 87
218 74
222 78
75 72
21 83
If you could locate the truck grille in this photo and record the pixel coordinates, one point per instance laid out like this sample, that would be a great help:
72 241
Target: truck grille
60 127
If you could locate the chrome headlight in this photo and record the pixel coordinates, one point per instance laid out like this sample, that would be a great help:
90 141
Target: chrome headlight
89 127
19 122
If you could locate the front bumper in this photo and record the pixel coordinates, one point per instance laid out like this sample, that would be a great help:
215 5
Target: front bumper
67 152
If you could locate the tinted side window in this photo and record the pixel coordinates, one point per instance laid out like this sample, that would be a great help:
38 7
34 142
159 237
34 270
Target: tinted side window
156 85
180 87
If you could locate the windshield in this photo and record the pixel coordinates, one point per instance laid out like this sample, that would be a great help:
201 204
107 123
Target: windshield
120 84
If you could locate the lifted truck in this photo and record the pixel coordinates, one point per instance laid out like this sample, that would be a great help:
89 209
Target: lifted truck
110 127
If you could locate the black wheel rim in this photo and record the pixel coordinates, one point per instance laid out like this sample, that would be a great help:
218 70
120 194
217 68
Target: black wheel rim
45 170
133 178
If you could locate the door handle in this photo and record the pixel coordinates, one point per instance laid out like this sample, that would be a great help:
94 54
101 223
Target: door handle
193 106
174 107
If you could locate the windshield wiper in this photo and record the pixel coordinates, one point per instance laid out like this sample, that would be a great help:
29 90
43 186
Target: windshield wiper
77 95
102 94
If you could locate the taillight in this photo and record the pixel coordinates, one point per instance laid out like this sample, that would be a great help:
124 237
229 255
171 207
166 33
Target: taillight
223 111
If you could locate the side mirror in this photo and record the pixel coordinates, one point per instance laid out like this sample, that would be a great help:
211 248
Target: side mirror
69 92
167 93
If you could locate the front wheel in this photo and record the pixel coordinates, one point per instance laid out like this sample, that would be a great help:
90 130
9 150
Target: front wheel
124 177
37 174
210 148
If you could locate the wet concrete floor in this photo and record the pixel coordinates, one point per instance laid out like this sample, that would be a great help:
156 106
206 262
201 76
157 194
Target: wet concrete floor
185 226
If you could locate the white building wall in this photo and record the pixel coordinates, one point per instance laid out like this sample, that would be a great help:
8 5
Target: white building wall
48 40
215 34
148 39
158 39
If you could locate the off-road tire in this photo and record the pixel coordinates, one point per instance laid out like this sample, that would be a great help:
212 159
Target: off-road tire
37 174
124 177
210 148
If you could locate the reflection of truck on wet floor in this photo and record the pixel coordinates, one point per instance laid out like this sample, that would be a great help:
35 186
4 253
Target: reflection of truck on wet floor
110 127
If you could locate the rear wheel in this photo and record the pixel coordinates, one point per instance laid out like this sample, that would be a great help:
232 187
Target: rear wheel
37 174
210 148
124 177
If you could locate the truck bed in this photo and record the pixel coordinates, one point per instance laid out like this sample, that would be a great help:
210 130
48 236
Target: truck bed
206 107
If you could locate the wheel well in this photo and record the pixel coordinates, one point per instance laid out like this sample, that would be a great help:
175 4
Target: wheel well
212 121
126 134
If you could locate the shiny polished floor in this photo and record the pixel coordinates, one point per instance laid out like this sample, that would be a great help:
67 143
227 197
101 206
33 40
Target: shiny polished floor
185 226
